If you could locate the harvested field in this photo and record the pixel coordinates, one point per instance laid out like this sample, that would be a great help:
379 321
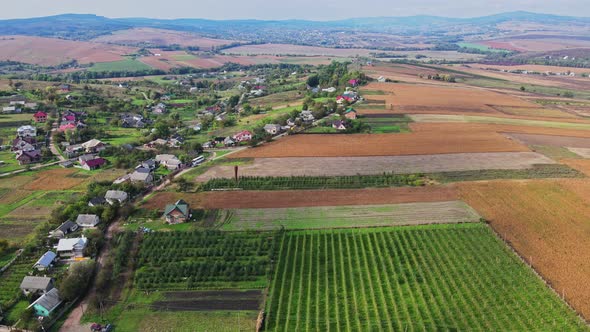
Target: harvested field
416 143
160 37
55 179
339 166
547 223
209 301
349 216
406 98
551 140
288 49
441 118
51 52
537 43
580 165
534 112
303 198
583 152
467 128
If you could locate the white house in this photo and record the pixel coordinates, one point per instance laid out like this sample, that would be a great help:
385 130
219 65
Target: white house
73 247
26 131
87 220
116 195
272 129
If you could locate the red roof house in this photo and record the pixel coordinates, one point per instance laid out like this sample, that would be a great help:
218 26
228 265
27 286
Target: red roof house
242 136
69 126
40 117
94 164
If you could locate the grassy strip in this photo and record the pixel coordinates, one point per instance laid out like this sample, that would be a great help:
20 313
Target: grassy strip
316 182
544 171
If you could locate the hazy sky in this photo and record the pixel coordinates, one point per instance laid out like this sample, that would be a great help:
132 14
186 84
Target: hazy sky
285 9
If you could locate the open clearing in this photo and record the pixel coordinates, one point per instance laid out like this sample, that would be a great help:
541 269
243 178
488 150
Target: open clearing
360 145
339 166
51 52
547 223
415 278
160 37
303 198
349 216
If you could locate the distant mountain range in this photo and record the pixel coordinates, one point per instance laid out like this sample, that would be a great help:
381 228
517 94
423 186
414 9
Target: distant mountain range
87 26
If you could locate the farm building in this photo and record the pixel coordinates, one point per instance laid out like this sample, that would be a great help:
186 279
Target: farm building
64 229
47 303
40 117
36 285
176 213
87 220
26 131
46 261
350 114
73 247
113 196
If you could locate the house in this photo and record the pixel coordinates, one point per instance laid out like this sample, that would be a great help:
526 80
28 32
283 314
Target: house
36 285
178 212
159 109
339 125
11 110
272 129
73 150
85 158
40 117
149 164
66 164
155 143
94 146
28 157
290 122
176 140
64 229
97 201
113 196
209 145
242 136
141 177
24 144
26 131
307 116
342 99
129 120
47 303
350 114
46 261
73 247
381 79
87 220
94 164
169 160
68 126
31 106
353 82
65 88
228 141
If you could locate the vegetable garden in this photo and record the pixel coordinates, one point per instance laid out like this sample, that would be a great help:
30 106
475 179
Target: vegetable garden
418 278
204 260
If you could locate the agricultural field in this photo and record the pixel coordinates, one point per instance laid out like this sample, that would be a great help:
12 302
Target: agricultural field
386 124
498 120
365 145
304 198
347 216
127 64
546 223
350 166
294 50
410 278
51 51
533 44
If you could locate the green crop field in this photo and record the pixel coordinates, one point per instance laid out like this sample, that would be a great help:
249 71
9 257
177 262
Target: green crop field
481 47
417 278
348 216
385 125
122 65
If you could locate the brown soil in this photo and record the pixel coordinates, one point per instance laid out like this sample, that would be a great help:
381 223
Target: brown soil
55 179
549 140
547 224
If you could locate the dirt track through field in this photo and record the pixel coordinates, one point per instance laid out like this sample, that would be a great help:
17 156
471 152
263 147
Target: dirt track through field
303 198
547 223
342 166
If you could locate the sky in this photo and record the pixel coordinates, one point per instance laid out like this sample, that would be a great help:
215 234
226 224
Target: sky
287 9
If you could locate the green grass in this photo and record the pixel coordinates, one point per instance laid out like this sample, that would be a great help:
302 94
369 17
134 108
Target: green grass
486 82
481 47
372 92
17 119
16 311
393 124
494 120
555 152
10 162
347 216
545 171
6 258
122 65
157 225
322 130
120 136
183 57
418 278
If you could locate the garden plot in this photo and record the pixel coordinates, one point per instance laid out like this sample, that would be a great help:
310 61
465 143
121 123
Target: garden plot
210 300
346 166
349 216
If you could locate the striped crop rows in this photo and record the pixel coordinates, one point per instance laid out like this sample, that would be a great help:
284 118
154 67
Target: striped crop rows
408 279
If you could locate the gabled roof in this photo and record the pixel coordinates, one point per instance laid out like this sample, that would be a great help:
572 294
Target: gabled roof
89 220
30 282
92 143
66 226
180 205
350 110
116 194
49 301
46 259
96 162
97 201
40 114
71 244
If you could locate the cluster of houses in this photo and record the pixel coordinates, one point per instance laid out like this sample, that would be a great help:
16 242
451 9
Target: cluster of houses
71 120
131 120
16 105
87 154
175 141
342 125
348 96
25 145
144 172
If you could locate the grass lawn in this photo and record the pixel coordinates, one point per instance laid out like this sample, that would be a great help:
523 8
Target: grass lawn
393 124
120 136
122 65
6 258
14 314
321 130
16 118
10 163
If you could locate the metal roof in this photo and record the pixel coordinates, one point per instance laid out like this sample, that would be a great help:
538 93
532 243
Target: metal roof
30 282
46 259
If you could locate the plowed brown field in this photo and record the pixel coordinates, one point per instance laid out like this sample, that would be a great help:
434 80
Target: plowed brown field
160 37
468 128
55 179
547 223
424 142
303 198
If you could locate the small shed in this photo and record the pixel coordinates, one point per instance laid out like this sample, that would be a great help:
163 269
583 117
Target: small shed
46 261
